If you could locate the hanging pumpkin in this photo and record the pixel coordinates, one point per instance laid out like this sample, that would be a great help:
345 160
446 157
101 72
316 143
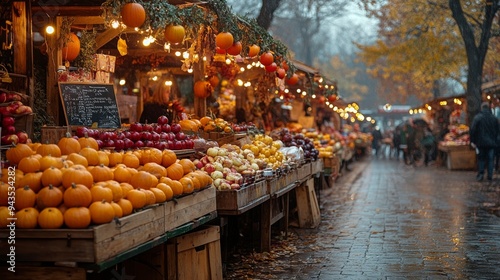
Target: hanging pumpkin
293 79
253 50
235 49
133 15
174 34
224 40
72 48
202 89
266 58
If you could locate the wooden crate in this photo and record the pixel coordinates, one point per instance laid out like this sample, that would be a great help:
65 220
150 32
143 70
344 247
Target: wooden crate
307 205
44 273
303 171
461 159
92 245
195 255
317 166
52 134
190 207
25 123
237 199
274 184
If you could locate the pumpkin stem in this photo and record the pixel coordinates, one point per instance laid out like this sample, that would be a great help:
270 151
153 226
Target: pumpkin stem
68 134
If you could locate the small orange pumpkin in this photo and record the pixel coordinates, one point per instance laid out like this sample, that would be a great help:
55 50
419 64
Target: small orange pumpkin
151 155
27 218
187 165
224 40
167 190
49 149
25 198
32 180
117 208
160 196
174 34
122 174
50 161
187 185
77 196
202 89
71 50
77 174
100 193
77 217
5 216
52 176
50 218
91 155
18 152
137 198
133 15
153 168
101 212
4 194
101 173
175 171
126 206
76 158
68 145
29 164
169 157
144 180
88 142
49 196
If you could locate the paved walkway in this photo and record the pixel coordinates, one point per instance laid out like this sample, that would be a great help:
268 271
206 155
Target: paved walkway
386 220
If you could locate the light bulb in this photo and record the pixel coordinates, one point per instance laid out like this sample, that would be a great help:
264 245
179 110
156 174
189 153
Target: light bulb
49 29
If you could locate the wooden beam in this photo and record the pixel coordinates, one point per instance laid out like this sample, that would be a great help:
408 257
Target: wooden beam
68 11
106 36
89 20
19 36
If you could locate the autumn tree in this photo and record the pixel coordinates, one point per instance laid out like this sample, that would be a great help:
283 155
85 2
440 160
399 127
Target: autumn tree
424 43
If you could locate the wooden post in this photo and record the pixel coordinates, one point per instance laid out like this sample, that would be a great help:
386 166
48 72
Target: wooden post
19 36
200 104
55 59
265 226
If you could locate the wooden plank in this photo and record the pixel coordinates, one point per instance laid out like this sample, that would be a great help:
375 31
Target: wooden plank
198 238
307 205
265 226
171 261
214 255
19 36
237 199
44 273
188 208
154 214
52 250
88 20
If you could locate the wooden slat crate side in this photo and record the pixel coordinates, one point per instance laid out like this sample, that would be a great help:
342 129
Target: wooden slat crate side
44 273
189 208
303 171
317 166
51 250
307 205
122 242
290 178
235 199
155 213
274 185
200 237
50 233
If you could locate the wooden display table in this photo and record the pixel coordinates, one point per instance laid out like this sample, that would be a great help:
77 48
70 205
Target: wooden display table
459 157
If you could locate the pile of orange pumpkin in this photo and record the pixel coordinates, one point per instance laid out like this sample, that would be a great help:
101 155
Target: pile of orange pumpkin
73 184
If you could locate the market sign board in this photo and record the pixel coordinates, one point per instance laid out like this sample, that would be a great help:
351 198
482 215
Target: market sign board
90 105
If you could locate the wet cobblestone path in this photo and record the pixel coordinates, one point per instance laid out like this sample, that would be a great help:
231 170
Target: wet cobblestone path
386 220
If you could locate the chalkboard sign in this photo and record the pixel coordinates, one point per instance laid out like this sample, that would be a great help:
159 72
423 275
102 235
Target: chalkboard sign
89 104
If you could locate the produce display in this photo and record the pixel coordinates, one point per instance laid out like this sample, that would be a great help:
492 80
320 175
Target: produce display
299 140
12 109
74 184
458 135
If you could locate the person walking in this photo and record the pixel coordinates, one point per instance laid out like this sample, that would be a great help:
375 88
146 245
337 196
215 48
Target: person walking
483 135
376 140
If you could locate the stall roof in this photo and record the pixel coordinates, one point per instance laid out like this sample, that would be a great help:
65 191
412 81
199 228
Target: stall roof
304 68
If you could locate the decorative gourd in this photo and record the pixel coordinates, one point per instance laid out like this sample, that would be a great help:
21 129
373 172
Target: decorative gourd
29 164
49 196
224 40
137 198
32 180
77 174
71 50
50 161
175 171
253 50
133 15
91 155
143 180
159 195
77 217
202 89
150 196
52 176
189 125
69 145
169 194
76 158
131 160
101 212
5 216
77 196
101 173
115 158
187 165
169 157
18 152
187 185
126 206
126 187
100 193
49 149
118 210
25 198
151 155
154 168
27 218
235 49
174 34
50 218
122 174
88 142
115 188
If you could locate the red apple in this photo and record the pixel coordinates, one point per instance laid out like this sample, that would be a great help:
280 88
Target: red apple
3 97
81 131
9 129
176 128
22 136
8 121
129 144
139 144
157 128
180 136
119 144
146 136
162 120
9 139
189 143
165 127
155 136
147 127
136 127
